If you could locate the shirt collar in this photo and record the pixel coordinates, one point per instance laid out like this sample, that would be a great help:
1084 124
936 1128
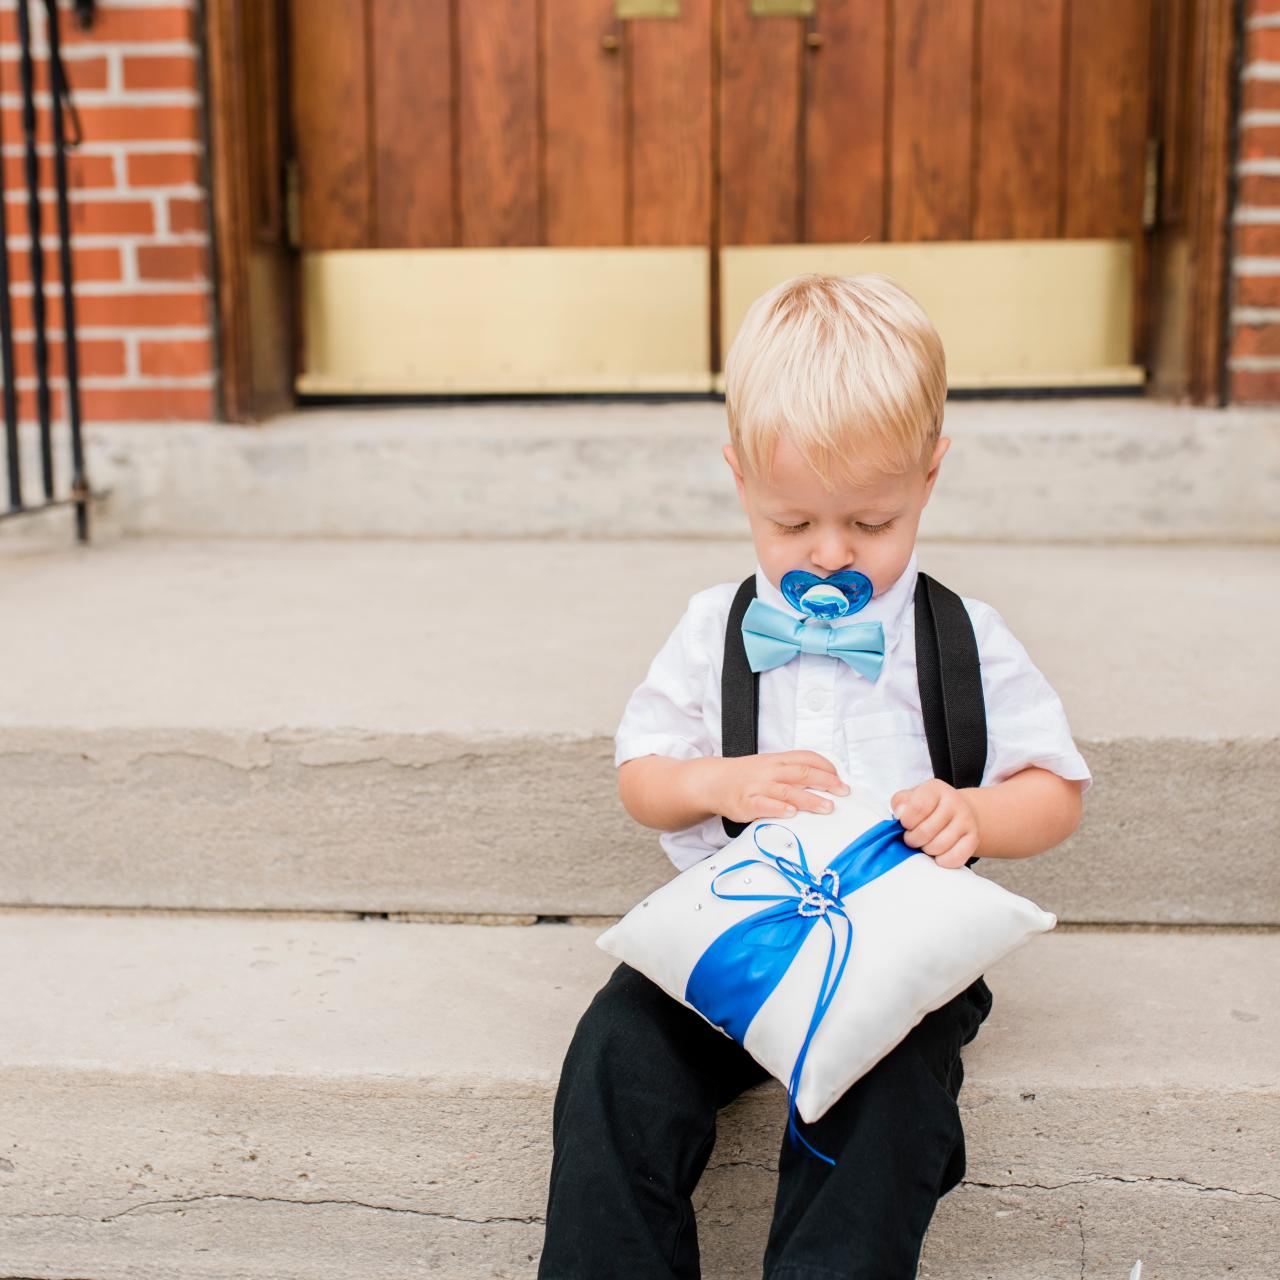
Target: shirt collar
888 608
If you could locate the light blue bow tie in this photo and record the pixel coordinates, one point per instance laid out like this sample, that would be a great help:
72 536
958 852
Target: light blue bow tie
772 638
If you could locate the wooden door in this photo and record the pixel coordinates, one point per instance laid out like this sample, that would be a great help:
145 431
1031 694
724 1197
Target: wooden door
990 155
523 195
507 196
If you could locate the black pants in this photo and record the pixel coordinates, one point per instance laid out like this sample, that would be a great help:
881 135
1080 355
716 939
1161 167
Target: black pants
634 1123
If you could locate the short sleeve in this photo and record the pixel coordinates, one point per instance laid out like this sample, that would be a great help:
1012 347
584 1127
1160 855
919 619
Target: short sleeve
664 715
1026 722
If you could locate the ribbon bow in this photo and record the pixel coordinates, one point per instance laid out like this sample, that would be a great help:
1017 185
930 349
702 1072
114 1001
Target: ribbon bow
739 971
772 637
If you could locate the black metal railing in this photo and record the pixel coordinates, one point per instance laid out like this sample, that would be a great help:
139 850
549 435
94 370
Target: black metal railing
61 106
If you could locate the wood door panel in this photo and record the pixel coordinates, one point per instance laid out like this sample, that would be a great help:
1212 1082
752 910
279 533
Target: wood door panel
413 196
930 158
585 143
1018 186
331 123
845 117
553 122
499 193
671 88
1107 92
760 93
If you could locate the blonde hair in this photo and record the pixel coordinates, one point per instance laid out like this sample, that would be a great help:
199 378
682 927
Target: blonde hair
848 368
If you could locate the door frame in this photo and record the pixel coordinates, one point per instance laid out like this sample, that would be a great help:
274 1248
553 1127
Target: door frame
255 269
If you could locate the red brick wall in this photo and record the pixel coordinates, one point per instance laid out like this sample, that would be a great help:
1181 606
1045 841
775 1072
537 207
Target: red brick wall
138 212
1254 358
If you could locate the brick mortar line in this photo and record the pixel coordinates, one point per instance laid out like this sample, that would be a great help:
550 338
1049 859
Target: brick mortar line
113 98
87 53
143 382
1256 267
116 240
117 194
158 333
112 146
122 288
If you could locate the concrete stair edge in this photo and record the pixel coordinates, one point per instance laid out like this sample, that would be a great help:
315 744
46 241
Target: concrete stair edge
205 1135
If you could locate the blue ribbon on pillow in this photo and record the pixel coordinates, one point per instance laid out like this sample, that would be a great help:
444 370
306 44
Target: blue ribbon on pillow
739 971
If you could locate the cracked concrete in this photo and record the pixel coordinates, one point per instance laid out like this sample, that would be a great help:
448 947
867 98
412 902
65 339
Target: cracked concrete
170 1107
1095 1179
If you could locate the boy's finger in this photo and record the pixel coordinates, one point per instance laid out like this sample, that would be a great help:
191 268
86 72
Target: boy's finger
813 775
811 757
808 800
922 832
798 797
944 837
918 805
770 806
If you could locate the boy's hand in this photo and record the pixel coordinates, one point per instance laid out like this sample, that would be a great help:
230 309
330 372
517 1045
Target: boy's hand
772 785
939 821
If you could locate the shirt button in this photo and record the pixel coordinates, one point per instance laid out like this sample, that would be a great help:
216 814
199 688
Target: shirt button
817 700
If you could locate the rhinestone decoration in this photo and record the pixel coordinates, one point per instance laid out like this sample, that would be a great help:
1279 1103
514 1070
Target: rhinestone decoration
816 899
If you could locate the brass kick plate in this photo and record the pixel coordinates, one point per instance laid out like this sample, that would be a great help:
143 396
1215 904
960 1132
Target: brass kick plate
647 8
783 8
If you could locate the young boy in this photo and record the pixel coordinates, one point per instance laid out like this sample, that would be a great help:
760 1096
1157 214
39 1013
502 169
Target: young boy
834 389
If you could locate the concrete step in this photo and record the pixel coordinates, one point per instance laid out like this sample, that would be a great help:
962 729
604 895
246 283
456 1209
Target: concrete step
270 1099
329 725
1067 470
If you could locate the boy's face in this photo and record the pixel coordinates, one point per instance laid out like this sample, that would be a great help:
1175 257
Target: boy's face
797 524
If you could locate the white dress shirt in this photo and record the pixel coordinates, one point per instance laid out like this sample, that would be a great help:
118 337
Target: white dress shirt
872 731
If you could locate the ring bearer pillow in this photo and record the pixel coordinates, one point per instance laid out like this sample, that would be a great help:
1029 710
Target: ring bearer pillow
817 942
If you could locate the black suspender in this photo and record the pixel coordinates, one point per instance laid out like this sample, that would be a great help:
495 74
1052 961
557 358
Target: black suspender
739 690
948 671
950 679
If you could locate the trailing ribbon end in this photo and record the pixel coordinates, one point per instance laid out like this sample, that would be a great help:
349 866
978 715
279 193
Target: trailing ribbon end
797 1135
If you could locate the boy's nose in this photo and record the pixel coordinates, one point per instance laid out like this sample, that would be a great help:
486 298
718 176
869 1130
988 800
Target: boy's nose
831 559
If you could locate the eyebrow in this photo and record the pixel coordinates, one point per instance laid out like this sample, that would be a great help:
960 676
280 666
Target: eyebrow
794 514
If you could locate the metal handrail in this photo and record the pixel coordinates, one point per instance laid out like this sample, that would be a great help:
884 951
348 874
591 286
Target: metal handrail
60 95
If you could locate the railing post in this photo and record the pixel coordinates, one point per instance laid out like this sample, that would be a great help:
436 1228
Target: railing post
59 92
60 98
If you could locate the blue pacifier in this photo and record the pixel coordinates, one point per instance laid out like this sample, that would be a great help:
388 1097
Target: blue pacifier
826 598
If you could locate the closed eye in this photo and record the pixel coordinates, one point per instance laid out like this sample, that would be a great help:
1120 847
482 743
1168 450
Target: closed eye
804 524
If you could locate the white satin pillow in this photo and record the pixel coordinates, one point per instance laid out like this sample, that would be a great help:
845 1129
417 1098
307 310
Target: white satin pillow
915 935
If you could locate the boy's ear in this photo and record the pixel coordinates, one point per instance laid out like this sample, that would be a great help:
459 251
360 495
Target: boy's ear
731 457
939 452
